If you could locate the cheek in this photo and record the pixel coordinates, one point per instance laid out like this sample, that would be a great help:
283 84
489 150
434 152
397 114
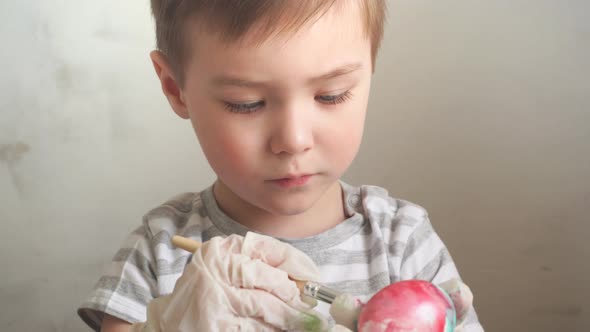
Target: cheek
345 138
229 153
230 148
341 144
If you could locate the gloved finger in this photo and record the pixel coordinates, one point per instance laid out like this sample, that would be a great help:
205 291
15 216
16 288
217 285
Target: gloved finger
244 324
280 255
222 246
340 328
345 310
264 306
461 296
207 305
308 321
223 259
255 274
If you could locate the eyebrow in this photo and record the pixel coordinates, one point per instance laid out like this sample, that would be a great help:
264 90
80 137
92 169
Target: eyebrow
235 81
340 71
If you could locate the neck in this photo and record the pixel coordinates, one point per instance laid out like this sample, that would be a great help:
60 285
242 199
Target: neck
326 213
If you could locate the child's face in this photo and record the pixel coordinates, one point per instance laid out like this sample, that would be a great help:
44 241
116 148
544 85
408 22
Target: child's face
280 122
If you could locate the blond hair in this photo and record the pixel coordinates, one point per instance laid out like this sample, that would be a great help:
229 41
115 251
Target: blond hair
232 19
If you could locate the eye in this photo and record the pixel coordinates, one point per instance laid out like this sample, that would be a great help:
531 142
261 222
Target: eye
244 108
334 99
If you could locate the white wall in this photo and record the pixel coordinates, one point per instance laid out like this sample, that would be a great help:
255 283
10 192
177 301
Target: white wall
479 112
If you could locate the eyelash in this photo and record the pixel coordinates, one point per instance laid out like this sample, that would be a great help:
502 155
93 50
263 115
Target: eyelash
253 107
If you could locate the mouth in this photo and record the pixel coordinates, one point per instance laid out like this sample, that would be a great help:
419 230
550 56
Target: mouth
293 180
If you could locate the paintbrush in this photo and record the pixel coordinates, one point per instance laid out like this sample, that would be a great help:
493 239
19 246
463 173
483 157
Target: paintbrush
307 287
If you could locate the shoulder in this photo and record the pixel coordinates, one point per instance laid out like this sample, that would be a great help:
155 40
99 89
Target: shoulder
382 209
146 265
413 246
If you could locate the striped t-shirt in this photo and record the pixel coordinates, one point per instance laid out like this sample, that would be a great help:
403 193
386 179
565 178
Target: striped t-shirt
383 240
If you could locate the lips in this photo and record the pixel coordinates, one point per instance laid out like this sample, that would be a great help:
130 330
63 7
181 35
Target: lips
293 180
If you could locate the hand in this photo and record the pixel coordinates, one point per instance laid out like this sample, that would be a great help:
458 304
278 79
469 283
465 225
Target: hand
346 309
236 283
462 298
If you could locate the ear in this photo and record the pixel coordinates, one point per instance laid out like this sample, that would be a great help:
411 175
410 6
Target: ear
170 86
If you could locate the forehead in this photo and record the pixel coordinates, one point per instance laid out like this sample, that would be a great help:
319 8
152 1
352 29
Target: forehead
333 39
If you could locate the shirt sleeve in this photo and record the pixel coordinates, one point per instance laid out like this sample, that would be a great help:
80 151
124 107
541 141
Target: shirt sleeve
425 257
127 286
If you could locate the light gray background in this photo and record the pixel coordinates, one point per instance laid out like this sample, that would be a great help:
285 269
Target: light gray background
479 112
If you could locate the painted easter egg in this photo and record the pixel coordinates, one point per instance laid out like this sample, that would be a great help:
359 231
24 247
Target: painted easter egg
408 306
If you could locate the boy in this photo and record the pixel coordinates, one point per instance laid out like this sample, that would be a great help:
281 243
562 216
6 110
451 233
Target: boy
277 93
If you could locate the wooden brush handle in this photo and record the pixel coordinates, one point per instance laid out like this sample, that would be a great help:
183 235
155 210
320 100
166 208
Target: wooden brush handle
186 243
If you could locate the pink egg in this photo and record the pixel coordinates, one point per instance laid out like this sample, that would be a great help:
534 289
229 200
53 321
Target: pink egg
412 305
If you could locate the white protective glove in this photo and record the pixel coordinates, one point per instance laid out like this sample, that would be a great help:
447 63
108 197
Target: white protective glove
462 298
238 284
346 309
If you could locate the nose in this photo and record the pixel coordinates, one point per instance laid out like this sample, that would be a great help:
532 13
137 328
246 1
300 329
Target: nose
293 132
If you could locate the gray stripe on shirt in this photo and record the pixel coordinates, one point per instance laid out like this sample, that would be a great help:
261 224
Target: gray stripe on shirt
396 249
140 231
345 257
418 237
135 257
362 287
176 267
431 269
126 289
